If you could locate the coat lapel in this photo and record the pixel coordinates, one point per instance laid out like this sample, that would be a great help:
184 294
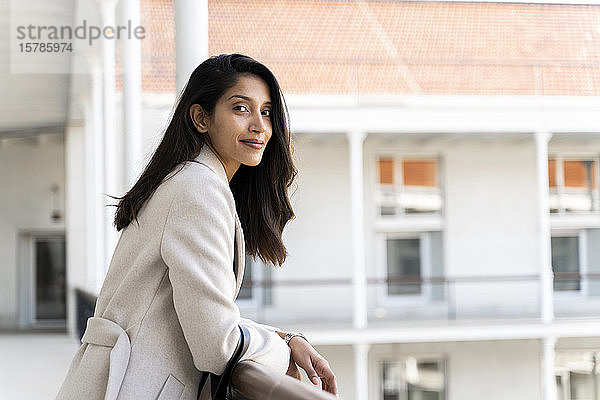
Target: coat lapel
239 256
210 159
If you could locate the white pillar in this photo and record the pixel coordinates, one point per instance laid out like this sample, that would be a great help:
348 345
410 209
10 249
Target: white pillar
75 216
191 38
95 188
549 381
132 96
94 182
547 286
112 147
359 276
361 370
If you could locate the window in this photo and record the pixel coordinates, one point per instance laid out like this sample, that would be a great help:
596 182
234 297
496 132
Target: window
408 186
573 185
247 284
256 288
577 377
404 263
565 263
412 379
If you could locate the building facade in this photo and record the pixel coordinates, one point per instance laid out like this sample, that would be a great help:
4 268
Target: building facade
447 236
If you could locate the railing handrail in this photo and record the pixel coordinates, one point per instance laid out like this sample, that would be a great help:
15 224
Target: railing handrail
439 279
257 382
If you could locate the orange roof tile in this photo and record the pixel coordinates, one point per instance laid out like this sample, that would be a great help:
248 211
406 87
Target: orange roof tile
395 47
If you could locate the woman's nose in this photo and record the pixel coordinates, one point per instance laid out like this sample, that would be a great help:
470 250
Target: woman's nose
258 123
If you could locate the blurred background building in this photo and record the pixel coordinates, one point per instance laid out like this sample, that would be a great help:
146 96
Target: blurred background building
447 239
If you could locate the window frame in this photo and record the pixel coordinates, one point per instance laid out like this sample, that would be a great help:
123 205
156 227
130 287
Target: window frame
581 236
380 360
560 158
564 367
398 159
394 300
257 298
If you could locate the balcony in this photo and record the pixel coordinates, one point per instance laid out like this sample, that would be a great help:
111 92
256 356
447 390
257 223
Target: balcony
328 303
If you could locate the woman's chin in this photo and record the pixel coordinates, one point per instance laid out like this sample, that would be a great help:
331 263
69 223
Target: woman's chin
252 162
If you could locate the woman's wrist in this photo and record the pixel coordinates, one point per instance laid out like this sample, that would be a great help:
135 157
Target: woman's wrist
290 335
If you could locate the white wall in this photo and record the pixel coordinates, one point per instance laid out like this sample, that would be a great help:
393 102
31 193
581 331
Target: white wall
341 361
494 371
319 239
491 224
474 370
28 168
491 370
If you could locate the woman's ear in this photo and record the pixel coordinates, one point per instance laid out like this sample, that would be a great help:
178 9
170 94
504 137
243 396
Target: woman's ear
199 118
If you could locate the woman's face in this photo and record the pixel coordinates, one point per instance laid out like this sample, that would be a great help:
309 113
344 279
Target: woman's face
240 127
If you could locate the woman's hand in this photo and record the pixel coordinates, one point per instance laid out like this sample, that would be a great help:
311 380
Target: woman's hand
307 358
293 370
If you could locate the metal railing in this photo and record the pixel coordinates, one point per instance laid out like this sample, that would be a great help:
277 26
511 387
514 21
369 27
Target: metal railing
252 381
397 299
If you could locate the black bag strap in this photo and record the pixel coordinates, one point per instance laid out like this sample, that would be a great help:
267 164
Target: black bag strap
220 383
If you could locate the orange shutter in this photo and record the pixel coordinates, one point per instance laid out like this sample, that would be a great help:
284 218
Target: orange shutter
552 172
575 174
386 171
420 173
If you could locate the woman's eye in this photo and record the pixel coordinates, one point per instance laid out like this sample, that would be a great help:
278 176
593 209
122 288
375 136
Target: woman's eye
237 107
268 113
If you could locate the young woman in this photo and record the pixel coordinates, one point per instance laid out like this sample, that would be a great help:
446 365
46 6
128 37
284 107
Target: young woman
214 190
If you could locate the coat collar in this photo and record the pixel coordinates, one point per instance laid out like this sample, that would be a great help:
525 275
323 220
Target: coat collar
210 159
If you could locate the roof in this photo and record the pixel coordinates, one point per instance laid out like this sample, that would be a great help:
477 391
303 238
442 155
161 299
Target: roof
395 47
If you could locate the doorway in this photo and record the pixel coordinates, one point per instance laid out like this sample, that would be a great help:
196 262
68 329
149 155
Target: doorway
43 281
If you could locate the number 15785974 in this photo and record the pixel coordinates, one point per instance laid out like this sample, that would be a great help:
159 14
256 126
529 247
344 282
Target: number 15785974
35 47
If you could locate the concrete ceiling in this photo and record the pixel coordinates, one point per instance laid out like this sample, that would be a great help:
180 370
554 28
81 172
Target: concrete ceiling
36 103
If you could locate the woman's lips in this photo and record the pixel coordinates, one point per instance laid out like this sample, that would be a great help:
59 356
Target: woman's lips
257 146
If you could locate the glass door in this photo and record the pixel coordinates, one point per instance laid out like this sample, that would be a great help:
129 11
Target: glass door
43 286
50 279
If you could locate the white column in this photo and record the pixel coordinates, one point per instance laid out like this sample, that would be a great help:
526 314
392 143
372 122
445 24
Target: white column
549 381
75 215
112 147
132 95
359 276
361 371
96 159
191 38
547 286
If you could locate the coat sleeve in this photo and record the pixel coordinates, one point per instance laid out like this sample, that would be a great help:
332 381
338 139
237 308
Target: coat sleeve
197 246
267 327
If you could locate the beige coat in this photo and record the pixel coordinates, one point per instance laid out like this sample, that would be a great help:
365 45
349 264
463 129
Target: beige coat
166 310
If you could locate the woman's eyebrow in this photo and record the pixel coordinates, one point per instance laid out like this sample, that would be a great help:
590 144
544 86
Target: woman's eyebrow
245 98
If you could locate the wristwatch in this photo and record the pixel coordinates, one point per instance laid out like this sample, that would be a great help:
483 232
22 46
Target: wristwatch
290 335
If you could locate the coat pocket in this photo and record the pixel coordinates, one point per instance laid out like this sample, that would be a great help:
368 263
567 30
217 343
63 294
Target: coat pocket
171 390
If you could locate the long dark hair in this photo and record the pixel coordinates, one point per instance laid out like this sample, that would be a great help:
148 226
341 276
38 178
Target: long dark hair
260 192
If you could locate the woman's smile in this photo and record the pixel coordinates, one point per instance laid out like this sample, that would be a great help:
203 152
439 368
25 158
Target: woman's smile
253 144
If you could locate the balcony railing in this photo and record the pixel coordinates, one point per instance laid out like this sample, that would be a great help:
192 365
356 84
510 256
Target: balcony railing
330 301
252 381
